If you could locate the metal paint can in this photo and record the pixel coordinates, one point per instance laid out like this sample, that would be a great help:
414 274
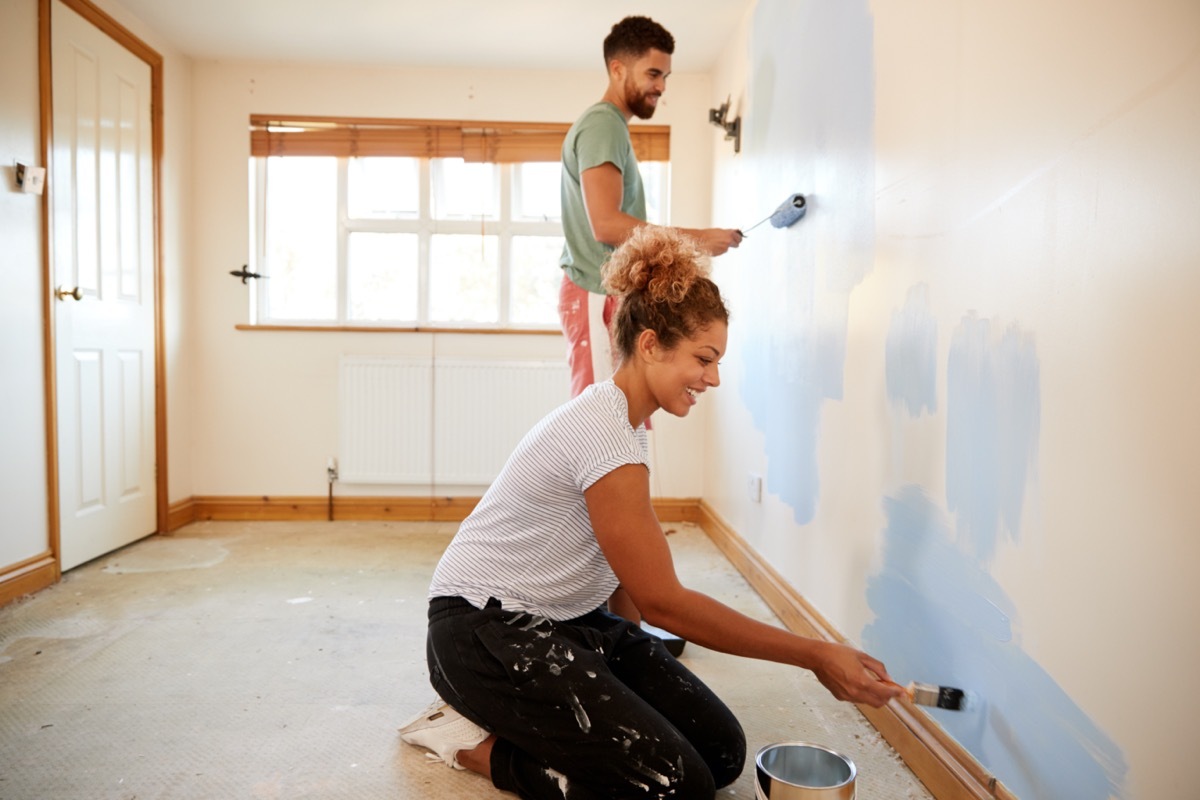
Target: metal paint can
803 771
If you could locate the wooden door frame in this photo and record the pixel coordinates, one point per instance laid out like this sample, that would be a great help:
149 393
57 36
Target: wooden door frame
122 36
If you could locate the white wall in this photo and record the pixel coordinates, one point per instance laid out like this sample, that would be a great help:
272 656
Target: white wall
265 402
25 531
969 374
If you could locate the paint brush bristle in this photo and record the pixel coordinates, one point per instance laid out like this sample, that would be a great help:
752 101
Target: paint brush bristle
946 697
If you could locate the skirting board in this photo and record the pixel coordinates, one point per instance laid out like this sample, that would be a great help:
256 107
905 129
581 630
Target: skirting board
944 766
27 577
284 508
406 509
948 771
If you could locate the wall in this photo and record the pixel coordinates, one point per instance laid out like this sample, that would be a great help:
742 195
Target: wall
968 375
25 531
266 402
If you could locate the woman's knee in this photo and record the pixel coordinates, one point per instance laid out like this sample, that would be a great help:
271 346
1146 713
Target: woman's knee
685 775
694 784
726 760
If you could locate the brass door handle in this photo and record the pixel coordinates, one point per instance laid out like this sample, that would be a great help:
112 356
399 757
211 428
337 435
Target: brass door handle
63 294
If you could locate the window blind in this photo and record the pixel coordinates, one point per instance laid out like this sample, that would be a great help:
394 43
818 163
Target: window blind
493 142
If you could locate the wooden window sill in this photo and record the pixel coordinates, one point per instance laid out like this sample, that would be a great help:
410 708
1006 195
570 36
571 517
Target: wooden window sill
394 329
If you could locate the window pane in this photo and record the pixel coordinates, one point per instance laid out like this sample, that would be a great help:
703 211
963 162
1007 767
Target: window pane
301 238
535 280
383 188
464 279
382 276
465 191
376 244
536 191
654 179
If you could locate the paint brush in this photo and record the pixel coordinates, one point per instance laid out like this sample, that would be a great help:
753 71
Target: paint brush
926 694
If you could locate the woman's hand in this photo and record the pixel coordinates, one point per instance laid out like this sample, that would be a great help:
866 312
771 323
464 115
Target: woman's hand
853 675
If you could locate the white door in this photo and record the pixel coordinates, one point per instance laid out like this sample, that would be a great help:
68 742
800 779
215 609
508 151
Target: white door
102 221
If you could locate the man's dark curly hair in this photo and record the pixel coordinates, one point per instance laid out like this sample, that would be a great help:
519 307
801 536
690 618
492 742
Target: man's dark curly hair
633 37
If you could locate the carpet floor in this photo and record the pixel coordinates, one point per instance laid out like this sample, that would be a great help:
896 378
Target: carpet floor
235 660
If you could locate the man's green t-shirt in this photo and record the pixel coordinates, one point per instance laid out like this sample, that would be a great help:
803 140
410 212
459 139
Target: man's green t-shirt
599 136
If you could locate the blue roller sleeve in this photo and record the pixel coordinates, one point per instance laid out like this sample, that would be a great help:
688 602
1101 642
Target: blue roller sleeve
789 211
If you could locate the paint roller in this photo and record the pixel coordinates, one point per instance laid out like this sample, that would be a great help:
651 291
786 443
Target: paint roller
788 213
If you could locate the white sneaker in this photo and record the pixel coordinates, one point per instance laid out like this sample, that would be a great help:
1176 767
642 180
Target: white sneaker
444 731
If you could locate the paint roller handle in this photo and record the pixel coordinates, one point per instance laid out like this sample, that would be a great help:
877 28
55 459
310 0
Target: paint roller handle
752 227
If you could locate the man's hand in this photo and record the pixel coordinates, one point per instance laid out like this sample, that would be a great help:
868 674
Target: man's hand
715 241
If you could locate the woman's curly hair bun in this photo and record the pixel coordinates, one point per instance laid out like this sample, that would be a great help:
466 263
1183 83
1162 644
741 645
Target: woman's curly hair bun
661 262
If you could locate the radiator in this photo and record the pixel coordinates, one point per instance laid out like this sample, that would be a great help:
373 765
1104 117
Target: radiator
438 421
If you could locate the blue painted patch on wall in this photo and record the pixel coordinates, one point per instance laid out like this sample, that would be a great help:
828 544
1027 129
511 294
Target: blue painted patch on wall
940 617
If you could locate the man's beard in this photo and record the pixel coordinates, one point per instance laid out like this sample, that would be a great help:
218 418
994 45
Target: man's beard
639 103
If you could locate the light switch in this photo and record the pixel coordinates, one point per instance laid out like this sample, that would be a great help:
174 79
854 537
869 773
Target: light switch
32 180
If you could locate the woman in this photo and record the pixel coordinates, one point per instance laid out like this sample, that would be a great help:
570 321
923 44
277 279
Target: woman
546 690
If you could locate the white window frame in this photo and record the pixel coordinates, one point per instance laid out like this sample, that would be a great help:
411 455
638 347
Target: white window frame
505 227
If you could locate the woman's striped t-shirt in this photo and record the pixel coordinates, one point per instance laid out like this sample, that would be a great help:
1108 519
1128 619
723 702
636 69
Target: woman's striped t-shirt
529 543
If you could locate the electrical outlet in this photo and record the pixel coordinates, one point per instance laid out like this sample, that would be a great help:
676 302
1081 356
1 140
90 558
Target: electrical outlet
754 488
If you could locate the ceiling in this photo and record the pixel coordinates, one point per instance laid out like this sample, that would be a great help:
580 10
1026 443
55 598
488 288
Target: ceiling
509 34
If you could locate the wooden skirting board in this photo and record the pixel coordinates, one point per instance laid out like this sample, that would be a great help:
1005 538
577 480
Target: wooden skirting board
279 507
944 766
405 509
28 576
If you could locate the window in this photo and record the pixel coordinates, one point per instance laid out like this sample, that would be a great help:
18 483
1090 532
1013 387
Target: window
430 239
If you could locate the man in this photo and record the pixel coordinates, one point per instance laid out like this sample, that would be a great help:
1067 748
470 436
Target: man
602 195
603 202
